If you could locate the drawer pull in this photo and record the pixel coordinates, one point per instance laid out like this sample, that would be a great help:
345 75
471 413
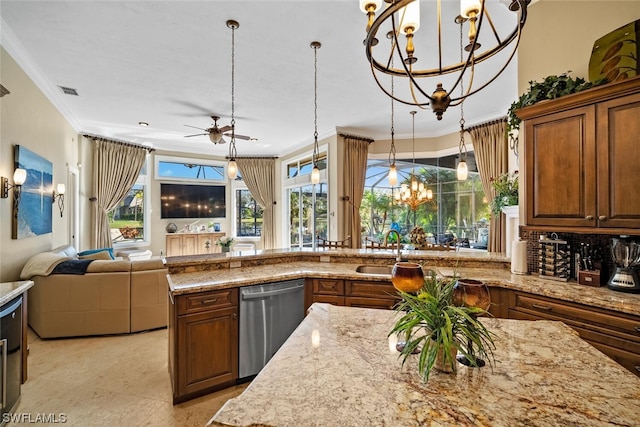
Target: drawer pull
208 301
602 217
637 328
589 217
233 316
637 368
541 307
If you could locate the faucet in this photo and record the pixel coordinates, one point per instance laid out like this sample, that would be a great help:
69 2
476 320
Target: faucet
384 242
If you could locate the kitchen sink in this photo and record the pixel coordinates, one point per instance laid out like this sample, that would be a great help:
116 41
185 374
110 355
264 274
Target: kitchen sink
374 269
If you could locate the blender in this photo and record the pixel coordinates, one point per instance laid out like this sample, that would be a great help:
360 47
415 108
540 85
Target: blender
626 255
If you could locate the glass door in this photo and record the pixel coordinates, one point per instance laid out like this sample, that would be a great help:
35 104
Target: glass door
307 214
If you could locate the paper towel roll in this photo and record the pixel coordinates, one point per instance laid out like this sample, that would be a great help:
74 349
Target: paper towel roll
519 257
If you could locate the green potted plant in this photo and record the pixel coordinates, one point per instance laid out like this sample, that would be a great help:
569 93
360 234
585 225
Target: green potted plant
225 243
433 325
506 191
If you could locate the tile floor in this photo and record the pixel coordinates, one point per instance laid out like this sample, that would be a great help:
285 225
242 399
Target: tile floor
110 381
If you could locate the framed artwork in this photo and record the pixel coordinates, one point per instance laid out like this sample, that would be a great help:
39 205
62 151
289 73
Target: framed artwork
35 206
615 55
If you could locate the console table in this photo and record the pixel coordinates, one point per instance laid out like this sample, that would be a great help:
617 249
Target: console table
178 244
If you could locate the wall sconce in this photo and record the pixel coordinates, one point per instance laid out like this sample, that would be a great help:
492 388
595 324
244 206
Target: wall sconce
60 196
19 177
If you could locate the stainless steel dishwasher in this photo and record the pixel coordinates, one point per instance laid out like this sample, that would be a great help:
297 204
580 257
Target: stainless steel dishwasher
268 315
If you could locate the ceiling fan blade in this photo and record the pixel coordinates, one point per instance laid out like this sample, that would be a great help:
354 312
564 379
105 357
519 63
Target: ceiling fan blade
225 128
246 138
195 127
197 134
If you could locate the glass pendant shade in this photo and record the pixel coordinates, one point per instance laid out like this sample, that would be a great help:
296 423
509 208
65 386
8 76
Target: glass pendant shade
414 184
365 4
470 8
429 194
462 172
315 175
232 169
410 17
60 189
393 175
19 176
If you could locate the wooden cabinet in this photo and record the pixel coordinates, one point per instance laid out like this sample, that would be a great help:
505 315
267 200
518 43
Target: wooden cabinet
581 159
353 293
203 342
615 334
192 243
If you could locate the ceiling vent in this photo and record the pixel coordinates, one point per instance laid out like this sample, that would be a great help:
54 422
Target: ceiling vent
68 91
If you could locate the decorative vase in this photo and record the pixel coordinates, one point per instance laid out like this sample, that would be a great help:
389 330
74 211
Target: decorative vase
225 248
407 276
171 228
441 363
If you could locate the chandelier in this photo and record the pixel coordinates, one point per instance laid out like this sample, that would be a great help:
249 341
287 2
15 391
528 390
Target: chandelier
414 194
403 17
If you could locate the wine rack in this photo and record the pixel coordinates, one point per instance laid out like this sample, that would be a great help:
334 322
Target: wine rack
554 257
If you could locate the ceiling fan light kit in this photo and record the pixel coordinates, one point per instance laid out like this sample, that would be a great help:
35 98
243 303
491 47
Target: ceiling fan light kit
402 17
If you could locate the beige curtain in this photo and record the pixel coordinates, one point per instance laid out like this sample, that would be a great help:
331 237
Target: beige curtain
260 176
491 148
356 151
116 167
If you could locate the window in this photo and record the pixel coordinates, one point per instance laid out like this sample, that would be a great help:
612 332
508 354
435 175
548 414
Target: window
127 220
458 209
248 215
305 166
184 168
307 214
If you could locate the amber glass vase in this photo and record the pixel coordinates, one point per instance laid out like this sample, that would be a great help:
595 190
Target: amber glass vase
471 293
407 276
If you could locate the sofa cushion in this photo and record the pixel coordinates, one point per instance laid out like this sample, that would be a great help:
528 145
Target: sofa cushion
65 250
104 255
42 264
97 253
109 266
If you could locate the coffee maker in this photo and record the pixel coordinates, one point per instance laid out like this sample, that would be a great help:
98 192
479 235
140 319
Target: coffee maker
626 254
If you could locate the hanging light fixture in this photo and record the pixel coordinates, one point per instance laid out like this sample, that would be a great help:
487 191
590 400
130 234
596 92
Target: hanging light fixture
315 173
393 172
462 171
403 17
232 167
414 194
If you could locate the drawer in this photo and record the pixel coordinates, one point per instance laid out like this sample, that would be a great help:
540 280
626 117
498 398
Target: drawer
328 286
620 323
371 289
385 303
329 299
207 301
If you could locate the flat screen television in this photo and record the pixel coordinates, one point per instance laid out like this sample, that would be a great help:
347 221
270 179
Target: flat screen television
192 201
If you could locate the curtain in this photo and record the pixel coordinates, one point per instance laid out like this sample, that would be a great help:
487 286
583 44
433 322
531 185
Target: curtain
260 177
356 151
116 167
491 148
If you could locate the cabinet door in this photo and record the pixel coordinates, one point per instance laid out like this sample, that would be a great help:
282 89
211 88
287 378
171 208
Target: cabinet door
619 162
561 169
189 244
174 245
207 350
206 244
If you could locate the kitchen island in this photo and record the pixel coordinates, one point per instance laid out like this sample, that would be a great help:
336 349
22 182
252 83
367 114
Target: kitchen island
338 368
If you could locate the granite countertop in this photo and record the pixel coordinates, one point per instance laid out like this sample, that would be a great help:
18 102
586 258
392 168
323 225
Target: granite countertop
206 280
353 378
10 290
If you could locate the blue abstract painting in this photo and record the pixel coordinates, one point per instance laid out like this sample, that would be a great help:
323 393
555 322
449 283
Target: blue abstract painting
35 206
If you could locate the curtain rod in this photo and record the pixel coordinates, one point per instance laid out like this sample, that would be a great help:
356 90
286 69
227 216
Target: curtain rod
115 141
253 157
356 137
489 123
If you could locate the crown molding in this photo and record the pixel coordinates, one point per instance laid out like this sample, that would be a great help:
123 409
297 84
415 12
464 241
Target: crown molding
12 45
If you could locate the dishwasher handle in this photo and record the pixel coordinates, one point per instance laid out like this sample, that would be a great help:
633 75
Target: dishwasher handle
3 343
248 294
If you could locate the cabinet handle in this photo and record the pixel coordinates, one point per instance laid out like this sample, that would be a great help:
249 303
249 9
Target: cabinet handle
233 316
589 217
602 217
637 328
541 307
637 368
208 301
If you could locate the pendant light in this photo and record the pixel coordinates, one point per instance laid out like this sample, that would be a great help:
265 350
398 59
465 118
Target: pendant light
315 173
462 171
232 167
393 172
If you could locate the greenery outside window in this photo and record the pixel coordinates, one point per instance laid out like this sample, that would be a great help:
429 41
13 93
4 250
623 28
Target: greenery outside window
127 221
305 166
249 215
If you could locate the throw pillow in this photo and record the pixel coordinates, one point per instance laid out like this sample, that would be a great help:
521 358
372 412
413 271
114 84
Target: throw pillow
104 253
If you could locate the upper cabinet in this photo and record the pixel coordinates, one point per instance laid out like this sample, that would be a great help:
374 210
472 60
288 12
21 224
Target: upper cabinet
582 155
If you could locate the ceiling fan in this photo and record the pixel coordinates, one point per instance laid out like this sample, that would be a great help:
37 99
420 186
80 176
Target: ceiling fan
215 133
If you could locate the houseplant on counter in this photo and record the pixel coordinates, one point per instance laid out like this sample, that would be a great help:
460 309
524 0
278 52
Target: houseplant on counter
438 328
506 191
225 243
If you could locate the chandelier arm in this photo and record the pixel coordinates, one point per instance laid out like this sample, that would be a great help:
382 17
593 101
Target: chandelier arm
375 77
493 27
439 8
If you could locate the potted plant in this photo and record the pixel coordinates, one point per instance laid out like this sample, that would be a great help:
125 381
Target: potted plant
225 243
438 329
506 191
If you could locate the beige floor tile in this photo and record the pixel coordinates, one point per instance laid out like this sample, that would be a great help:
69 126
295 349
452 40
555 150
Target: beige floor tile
110 381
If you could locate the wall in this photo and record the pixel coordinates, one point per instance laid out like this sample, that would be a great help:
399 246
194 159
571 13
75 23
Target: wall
27 118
